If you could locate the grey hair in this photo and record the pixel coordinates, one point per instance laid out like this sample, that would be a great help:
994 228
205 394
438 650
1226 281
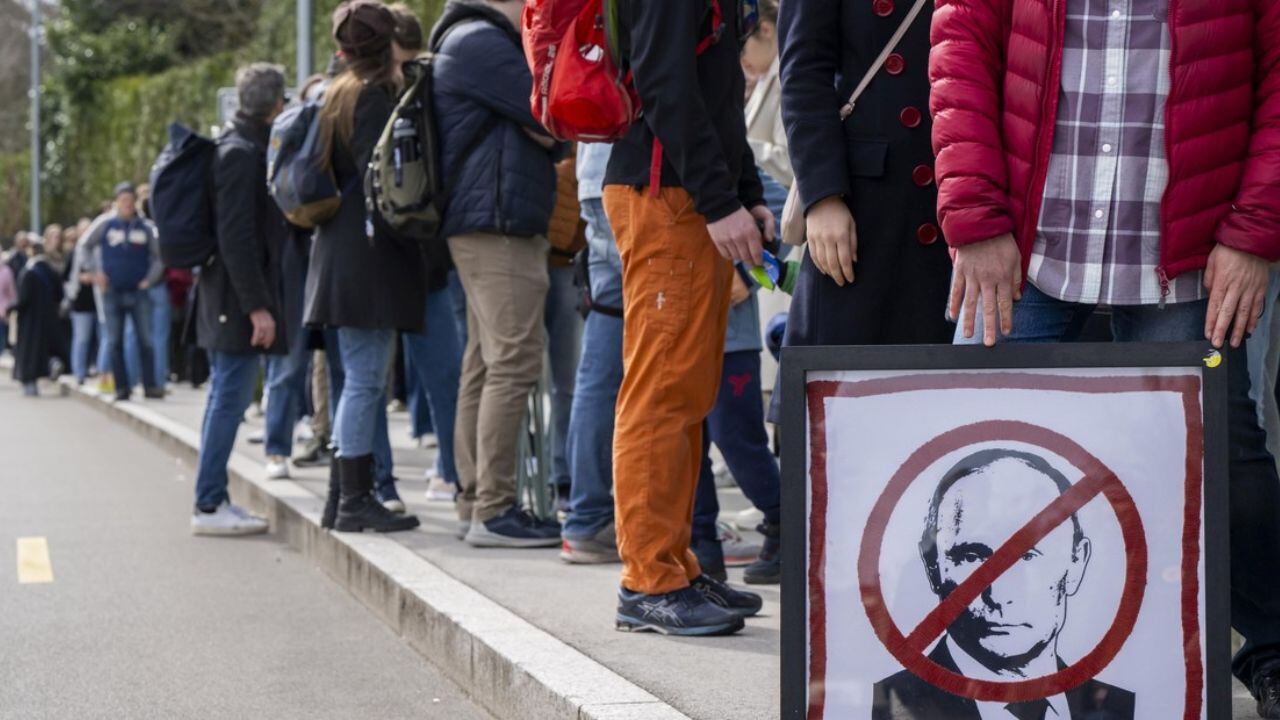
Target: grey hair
260 87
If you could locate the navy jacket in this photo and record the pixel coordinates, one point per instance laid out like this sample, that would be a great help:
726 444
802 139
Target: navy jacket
497 178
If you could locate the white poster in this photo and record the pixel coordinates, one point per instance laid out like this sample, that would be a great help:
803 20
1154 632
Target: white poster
1006 545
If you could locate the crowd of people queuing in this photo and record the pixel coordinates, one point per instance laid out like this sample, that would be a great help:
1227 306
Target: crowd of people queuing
952 180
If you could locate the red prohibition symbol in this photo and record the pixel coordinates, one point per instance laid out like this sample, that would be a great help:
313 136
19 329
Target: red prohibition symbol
910 649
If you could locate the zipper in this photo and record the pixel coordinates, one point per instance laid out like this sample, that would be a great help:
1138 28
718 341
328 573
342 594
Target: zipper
1161 272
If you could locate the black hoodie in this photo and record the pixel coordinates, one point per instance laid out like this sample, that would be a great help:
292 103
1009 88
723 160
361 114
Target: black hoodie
694 103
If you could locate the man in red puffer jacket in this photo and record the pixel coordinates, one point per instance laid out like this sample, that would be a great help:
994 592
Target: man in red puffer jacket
1124 153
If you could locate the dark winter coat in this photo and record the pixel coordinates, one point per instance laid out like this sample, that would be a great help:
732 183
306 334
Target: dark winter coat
40 336
879 160
361 275
499 180
244 273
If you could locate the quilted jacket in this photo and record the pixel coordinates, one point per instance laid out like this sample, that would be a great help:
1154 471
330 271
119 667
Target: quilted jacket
996 68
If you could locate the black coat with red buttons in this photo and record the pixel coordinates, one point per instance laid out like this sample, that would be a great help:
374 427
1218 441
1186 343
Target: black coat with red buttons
879 161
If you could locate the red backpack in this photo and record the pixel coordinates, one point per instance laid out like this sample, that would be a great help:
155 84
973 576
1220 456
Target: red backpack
579 92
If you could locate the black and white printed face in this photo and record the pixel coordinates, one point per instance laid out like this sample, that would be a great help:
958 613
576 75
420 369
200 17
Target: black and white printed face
1016 621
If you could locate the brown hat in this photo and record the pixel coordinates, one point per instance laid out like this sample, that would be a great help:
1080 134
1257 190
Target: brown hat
363 28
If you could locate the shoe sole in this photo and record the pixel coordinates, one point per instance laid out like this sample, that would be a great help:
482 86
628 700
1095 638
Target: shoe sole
278 476
630 624
762 580
491 540
406 524
228 532
589 558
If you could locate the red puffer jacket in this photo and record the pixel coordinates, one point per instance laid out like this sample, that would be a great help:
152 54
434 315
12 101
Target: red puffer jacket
996 68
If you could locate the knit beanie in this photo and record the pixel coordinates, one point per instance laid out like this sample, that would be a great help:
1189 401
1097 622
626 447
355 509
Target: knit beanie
363 28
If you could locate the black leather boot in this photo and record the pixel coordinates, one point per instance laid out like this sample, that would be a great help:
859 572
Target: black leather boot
331 500
358 509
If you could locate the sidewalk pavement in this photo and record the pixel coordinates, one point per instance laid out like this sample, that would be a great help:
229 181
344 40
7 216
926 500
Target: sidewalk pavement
526 635
534 596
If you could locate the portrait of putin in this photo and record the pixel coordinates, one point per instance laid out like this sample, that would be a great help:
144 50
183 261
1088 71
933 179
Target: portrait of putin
1011 631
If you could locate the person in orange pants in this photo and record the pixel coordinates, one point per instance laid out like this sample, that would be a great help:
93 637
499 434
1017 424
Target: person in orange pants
684 200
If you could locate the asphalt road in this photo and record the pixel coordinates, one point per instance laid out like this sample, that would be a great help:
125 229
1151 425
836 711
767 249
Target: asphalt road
142 620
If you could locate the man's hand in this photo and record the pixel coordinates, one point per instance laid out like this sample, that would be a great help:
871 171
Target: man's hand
86 278
992 270
100 279
737 238
739 293
764 219
1237 284
264 329
833 239
144 285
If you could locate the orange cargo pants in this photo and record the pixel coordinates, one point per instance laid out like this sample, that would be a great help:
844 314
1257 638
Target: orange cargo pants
675 288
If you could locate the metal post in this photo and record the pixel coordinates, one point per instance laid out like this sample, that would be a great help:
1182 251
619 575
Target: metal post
35 115
304 42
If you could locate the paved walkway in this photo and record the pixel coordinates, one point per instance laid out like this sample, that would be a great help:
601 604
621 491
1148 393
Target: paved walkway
707 679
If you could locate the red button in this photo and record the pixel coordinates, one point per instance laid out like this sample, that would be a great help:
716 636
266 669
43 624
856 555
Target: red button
894 64
927 234
883 8
910 117
922 175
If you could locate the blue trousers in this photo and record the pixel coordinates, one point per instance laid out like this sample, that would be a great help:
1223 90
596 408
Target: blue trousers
736 426
136 305
287 385
564 339
161 314
232 379
376 419
434 360
82 326
1255 487
589 442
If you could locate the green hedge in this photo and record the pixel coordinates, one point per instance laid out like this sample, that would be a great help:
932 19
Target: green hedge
93 144
15 184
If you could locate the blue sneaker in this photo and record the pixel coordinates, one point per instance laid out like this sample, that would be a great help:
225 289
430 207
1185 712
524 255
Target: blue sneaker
742 604
388 496
683 612
515 528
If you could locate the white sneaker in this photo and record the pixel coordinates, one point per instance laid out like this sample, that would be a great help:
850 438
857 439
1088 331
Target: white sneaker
737 551
227 520
747 520
277 467
438 490
257 437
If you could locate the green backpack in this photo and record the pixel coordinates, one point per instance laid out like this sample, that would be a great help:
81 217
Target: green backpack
402 184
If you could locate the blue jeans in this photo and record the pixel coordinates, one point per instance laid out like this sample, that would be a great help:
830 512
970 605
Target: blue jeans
589 445
136 305
287 386
435 360
161 314
358 384
232 378
82 324
564 340
1254 485
736 426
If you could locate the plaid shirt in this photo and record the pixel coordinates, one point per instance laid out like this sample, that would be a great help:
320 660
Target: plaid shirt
1099 234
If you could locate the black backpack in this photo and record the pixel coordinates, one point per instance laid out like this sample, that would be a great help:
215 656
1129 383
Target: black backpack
181 198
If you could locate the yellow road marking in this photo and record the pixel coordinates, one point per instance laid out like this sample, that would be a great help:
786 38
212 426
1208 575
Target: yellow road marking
33 561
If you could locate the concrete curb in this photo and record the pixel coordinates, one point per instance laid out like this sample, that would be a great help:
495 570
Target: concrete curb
511 667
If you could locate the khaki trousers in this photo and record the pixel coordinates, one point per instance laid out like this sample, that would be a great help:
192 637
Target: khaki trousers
675 288
506 283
